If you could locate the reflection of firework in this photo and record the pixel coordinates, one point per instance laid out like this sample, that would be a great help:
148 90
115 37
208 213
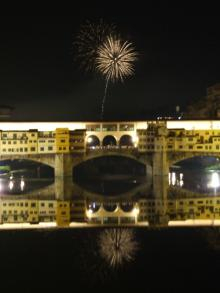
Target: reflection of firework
117 246
115 59
90 37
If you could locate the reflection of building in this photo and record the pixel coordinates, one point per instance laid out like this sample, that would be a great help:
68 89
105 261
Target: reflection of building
152 212
156 211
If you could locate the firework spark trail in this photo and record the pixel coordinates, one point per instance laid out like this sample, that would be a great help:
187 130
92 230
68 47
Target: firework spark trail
115 61
104 98
117 246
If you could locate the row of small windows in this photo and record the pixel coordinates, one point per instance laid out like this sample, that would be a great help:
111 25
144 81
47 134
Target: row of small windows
32 204
110 127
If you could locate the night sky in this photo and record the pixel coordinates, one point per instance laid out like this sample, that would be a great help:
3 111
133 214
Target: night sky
179 56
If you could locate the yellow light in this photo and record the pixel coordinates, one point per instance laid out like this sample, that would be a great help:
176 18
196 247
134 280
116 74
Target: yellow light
214 183
89 139
11 185
89 213
136 211
135 139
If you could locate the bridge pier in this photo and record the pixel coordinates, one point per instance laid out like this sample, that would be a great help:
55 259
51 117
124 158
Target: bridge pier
64 188
160 164
63 165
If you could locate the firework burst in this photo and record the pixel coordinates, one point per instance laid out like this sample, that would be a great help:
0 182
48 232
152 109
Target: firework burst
117 246
91 36
115 61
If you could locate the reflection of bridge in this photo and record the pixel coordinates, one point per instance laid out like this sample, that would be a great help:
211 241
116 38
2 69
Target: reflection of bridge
157 144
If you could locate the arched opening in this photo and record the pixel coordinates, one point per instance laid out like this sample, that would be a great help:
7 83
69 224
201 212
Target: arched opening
92 142
93 206
109 141
199 174
21 176
126 141
110 207
110 175
127 206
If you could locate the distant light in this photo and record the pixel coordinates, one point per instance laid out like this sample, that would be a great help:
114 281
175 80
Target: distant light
135 140
136 211
22 184
214 183
89 213
173 178
11 185
89 139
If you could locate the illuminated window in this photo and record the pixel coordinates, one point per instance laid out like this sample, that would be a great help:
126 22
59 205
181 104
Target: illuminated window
109 127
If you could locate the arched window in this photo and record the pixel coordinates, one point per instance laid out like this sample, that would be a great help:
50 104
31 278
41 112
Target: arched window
109 141
92 141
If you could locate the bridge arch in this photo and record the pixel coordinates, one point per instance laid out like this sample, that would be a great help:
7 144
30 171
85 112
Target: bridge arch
43 159
175 158
109 141
126 141
144 160
126 206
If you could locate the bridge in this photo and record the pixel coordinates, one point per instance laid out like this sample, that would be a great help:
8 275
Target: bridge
63 145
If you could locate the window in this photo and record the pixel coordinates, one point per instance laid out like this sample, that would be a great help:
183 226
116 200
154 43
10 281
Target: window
50 148
109 127
42 149
126 127
95 127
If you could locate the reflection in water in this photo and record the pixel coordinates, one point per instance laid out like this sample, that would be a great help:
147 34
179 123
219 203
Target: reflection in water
212 236
66 204
214 182
21 185
197 181
176 179
117 246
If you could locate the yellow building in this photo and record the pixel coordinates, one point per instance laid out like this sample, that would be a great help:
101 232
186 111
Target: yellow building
63 214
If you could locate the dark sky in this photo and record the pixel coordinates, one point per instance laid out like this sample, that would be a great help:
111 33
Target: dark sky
179 56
